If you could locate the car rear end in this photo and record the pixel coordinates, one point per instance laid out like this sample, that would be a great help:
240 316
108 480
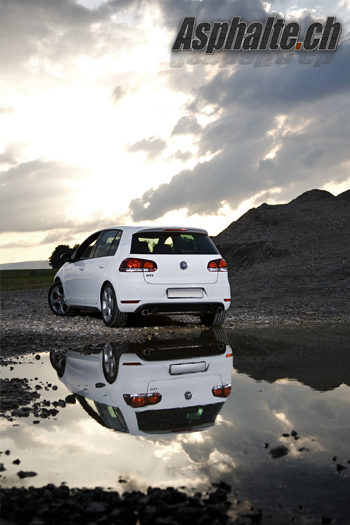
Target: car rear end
175 386
172 270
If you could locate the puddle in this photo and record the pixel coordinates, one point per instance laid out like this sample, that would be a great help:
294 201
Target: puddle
162 413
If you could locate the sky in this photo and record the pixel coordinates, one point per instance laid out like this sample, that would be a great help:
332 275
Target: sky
103 125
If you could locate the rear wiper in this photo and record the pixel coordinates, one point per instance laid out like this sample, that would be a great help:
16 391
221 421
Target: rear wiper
191 251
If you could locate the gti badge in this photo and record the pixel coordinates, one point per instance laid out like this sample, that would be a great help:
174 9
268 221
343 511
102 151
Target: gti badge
188 395
183 265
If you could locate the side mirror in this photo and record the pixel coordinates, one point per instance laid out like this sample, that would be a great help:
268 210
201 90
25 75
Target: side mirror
66 257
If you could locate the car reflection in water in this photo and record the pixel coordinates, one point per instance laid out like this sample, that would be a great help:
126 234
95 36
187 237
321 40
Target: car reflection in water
161 386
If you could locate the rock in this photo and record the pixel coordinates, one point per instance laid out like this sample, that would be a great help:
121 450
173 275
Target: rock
95 508
222 485
278 452
20 412
340 468
29 474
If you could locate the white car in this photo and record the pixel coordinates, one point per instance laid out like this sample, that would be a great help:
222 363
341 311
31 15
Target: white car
143 270
156 387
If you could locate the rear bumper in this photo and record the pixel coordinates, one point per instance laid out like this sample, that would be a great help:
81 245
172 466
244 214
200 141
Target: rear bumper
180 308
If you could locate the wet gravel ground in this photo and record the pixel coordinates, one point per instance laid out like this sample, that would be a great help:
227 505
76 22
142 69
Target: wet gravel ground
60 504
54 505
29 327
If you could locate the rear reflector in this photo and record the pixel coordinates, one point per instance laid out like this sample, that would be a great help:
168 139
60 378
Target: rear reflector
218 265
142 400
221 390
132 264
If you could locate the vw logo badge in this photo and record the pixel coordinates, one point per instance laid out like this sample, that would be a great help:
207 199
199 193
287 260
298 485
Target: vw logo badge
188 395
183 265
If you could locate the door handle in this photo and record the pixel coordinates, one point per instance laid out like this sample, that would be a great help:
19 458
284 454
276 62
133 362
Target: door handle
81 269
101 266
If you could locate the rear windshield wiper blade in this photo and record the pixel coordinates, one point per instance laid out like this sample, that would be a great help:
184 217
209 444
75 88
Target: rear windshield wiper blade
191 251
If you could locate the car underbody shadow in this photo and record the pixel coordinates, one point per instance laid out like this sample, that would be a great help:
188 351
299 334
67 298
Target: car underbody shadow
149 320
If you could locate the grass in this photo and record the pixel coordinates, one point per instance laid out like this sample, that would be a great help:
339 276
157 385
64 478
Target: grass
25 279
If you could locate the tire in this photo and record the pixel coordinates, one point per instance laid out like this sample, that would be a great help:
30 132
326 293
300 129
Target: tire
110 361
220 336
57 301
58 361
111 314
210 320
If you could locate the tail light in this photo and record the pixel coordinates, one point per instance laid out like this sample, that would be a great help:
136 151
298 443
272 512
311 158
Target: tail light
137 265
221 390
142 400
218 265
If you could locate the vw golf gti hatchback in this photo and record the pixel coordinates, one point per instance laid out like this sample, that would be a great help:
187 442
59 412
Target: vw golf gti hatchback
142 270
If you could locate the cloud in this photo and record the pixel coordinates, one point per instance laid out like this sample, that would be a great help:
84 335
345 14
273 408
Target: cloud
23 244
118 93
183 156
35 195
44 34
6 109
186 125
203 190
252 122
174 11
280 87
252 152
12 153
57 236
152 146
77 231
123 91
282 127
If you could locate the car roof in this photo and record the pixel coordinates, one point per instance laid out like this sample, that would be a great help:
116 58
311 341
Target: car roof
134 229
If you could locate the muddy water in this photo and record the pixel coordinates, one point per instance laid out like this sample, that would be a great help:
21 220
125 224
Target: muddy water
281 438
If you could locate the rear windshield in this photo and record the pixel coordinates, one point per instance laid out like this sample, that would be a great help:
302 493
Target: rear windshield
178 419
174 242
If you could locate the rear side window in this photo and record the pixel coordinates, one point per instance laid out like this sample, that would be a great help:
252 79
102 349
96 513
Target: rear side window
174 242
108 244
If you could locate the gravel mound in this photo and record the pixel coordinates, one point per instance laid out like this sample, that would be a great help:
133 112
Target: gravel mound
292 256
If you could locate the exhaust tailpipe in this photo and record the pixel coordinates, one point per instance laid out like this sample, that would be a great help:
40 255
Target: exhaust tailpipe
219 310
145 312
